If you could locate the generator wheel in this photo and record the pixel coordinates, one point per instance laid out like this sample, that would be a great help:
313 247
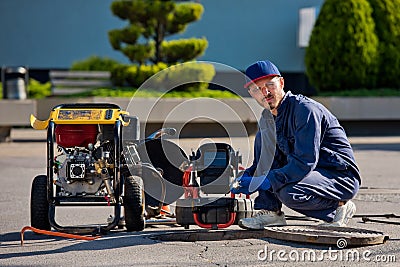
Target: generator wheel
39 203
134 204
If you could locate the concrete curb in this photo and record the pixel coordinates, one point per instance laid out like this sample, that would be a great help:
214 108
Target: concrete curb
345 108
363 112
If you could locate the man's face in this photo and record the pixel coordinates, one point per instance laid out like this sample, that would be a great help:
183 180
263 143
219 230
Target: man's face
268 92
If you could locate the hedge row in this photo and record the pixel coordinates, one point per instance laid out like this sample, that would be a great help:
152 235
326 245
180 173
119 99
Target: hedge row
355 44
343 48
180 77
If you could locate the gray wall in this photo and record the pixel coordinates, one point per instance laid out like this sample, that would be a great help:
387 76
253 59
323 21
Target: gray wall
54 33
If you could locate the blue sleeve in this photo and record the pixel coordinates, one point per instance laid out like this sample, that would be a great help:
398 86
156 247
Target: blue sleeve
304 152
256 157
257 152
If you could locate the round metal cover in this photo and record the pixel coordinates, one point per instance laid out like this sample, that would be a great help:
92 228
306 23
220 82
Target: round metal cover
338 236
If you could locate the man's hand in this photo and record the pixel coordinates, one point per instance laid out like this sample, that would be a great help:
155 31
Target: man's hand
241 185
246 184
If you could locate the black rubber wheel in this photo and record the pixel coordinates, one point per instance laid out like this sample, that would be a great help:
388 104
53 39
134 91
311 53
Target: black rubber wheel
134 204
39 203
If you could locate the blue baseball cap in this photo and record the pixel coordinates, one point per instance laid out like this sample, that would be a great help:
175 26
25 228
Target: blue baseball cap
259 70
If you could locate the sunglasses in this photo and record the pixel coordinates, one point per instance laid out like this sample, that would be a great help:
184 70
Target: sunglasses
268 85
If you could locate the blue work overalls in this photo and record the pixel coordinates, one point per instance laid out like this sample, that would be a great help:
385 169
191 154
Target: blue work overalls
313 167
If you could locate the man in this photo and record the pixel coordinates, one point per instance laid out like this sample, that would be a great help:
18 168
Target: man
307 163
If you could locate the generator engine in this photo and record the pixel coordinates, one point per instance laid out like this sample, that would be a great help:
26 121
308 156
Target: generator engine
81 168
86 166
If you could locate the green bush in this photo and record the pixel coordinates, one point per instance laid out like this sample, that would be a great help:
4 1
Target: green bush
139 52
129 92
387 20
180 77
135 75
95 63
182 50
343 47
203 93
118 75
188 77
127 35
38 90
183 14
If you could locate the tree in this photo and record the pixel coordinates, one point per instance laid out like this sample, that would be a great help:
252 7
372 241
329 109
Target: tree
387 20
150 23
343 48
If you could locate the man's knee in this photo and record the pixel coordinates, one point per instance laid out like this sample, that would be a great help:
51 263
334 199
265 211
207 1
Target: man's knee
292 197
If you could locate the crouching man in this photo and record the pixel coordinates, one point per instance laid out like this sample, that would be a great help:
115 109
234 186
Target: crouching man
302 157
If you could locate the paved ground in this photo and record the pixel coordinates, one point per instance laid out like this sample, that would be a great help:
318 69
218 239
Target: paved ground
23 158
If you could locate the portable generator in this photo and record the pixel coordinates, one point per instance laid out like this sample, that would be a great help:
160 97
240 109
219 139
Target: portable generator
86 167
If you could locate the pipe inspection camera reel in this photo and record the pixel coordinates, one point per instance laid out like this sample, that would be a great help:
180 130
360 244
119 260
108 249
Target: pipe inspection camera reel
207 200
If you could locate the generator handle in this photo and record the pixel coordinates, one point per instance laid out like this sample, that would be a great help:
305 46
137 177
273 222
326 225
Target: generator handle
159 133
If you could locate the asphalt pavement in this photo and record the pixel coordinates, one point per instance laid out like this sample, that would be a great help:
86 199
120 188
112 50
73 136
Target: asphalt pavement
25 156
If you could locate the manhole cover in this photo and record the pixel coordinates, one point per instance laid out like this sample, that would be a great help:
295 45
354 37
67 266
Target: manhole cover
339 236
327 235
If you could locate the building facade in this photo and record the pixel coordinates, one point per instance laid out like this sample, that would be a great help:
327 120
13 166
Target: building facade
49 34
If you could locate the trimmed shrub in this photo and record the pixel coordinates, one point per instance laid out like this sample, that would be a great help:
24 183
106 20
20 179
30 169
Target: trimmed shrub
343 48
127 35
188 77
182 50
95 63
38 90
183 14
139 52
181 77
387 20
150 23
118 75
136 75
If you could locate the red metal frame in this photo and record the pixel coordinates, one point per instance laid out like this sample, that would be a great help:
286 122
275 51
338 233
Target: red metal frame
219 226
193 192
190 191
